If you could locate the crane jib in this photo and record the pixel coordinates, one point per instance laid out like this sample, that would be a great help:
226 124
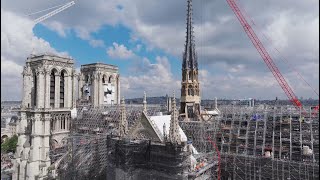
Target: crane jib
264 54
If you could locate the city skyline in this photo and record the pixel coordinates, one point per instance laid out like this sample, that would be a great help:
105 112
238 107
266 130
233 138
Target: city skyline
147 44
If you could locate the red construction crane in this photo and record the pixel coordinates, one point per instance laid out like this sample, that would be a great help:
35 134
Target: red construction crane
264 54
219 157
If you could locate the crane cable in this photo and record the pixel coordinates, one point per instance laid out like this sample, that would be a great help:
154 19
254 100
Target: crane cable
270 41
45 10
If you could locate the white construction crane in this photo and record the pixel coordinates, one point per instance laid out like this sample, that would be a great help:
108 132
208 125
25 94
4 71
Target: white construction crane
52 13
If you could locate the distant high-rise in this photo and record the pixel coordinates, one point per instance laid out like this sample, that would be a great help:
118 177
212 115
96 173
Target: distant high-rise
190 90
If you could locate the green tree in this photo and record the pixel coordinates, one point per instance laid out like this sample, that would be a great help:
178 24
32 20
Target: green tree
10 144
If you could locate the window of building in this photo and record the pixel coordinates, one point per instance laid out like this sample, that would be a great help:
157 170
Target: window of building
62 84
183 91
190 90
110 78
52 88
190 111
86 79
35 84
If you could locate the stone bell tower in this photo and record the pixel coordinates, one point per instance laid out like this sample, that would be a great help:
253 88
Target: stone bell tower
99 84
190 90
48 98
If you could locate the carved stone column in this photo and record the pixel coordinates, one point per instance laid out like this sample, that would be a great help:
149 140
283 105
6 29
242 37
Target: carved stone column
26 99
79 77
66 90
118 88
40 88
101 89
69 95
47 89
74 87
95 94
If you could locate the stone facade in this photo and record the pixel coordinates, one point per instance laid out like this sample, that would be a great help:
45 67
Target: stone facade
99 84
48 98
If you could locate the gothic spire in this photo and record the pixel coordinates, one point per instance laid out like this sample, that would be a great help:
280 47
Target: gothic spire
174 134
189 57
144 101
123 125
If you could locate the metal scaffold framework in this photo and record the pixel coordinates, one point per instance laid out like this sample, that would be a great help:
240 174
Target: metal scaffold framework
253 143
268 143
263 143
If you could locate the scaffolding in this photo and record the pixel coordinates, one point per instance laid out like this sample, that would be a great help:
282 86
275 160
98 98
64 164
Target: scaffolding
96 150
254 141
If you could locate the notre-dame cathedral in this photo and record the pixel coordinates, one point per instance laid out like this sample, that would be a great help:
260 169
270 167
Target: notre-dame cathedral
51 88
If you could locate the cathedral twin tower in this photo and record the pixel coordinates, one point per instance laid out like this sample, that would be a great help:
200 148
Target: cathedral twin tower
51 88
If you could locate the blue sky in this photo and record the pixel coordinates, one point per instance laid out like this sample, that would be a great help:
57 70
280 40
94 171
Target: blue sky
84 53
145 39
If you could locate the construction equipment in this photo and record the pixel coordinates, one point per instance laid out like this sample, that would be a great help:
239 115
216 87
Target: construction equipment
219 157
264 54
52 13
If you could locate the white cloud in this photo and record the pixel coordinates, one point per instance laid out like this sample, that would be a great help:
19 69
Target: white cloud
17 43
156 79
119 51
234 67
17 38
58 27
10 68
85 35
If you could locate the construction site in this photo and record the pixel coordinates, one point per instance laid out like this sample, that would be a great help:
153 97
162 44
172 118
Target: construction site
105 144
228 142
98 136
270 143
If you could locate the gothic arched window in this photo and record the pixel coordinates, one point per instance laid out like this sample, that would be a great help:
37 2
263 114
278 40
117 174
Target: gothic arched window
104 79
52 87
190 90
35 84
110 79
86 79
183 91
62 84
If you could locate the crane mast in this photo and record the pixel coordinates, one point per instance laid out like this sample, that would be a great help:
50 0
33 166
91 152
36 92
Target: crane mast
264 54
54 12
